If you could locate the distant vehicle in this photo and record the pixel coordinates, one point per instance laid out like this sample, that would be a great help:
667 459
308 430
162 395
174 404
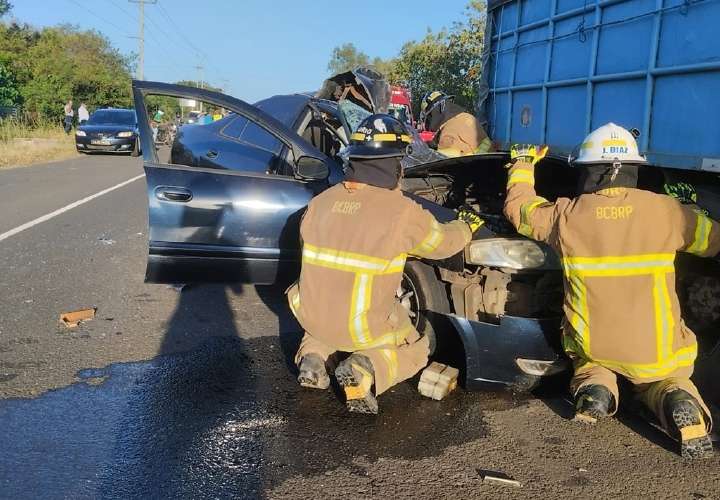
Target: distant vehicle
111 130
401 105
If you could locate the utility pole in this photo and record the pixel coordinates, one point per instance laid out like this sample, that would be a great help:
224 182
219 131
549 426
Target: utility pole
200 69
140 74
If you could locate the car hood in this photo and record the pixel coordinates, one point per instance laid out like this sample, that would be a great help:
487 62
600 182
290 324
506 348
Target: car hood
415 167
106 128
376 88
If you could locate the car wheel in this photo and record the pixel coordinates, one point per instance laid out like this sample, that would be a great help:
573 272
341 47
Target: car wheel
422 294
136 148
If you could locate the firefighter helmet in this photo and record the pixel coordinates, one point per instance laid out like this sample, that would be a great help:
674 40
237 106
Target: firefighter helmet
608 144
432 100
379 136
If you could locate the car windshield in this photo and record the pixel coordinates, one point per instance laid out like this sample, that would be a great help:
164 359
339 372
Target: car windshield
106 117
399 111
352 114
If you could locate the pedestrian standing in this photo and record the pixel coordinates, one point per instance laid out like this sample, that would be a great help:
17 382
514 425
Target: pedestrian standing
83 114
69 113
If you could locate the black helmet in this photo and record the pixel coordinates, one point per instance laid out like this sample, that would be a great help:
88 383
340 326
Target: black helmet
431 100
379 136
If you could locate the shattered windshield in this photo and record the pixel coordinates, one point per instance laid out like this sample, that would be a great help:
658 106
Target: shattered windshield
352 113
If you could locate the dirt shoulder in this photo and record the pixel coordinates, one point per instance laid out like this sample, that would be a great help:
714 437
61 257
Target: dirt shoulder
29 151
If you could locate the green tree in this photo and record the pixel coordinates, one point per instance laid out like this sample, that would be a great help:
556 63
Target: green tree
9 93
449 60
5 7
346 57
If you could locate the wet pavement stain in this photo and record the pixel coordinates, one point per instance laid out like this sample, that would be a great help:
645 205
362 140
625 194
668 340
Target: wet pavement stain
224 420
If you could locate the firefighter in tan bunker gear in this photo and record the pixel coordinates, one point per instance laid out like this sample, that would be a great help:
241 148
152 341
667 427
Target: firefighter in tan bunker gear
356 238
617 245
457 132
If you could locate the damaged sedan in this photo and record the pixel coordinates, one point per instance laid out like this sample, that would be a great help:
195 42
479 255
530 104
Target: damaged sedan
227 205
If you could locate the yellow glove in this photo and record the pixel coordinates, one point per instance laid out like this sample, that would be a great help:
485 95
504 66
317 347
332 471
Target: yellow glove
529 153
470 217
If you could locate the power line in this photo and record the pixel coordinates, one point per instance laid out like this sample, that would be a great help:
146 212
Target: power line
124 11
141 34
179 30
85 9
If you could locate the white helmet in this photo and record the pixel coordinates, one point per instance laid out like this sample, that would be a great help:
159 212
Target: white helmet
608 144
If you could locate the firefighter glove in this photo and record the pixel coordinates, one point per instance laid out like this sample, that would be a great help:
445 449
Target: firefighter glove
683 192
470 217
529 153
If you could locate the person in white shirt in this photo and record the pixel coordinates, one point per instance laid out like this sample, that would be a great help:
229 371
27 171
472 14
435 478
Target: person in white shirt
83 114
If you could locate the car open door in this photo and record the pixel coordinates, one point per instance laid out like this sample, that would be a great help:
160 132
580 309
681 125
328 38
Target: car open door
237 224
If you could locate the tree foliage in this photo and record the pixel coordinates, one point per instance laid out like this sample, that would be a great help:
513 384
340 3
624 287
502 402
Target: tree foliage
449 60
347 57
52 65
5 7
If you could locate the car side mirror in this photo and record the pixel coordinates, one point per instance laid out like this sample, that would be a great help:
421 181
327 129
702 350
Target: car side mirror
310 168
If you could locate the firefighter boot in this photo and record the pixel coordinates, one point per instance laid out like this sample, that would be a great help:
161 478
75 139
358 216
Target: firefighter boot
312 372
592 402
686 423
356 376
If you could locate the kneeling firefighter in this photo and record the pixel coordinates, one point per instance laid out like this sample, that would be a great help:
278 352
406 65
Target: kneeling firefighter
457 132
356 237
618 245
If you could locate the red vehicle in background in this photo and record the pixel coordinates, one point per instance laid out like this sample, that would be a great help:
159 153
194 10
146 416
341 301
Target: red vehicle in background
401 108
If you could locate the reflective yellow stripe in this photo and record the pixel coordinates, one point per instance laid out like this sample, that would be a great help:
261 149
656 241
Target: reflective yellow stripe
390 356
386 339
357 136
450 152
351 262
526 210
519 175
391 137
702 235
484 146
576 269
295 303
431 241
359 306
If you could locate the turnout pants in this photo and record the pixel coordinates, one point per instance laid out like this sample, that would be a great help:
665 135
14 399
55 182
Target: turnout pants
392 364
651 394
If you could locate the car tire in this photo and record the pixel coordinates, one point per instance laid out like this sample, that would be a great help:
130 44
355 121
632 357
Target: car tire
136 148
422 293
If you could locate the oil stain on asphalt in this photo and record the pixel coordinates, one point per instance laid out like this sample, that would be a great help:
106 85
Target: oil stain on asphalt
224 420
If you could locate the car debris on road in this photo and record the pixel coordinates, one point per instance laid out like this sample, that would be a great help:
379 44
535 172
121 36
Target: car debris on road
74 318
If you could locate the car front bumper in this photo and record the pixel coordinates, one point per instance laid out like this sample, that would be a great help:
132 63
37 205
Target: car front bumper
516 353
111 145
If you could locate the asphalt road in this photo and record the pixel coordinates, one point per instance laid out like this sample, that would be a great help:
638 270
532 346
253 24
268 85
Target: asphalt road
191 394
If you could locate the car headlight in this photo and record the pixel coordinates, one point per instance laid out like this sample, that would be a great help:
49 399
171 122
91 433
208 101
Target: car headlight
511 254
125 134
80 133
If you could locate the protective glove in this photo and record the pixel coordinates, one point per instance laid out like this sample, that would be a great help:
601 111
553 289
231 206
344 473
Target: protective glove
470 217
683 192
529 153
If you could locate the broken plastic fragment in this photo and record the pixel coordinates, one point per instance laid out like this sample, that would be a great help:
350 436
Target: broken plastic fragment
74 318
495 477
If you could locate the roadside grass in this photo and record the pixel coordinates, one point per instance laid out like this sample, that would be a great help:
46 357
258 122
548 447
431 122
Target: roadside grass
25 143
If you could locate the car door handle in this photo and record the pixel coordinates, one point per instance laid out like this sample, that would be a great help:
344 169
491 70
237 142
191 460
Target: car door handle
212 154
173 194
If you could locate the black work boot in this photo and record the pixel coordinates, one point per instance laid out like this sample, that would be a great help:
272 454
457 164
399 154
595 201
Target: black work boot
356 376
312 372
593 402
686 423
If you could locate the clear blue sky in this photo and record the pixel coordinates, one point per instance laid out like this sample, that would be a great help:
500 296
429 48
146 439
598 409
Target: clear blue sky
253 48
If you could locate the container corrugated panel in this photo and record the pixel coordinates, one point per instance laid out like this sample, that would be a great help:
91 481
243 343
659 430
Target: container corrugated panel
561 68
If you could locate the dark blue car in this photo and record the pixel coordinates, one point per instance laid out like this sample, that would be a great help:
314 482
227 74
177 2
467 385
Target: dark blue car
109 130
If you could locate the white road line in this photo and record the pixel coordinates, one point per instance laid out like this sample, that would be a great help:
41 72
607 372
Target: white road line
64 209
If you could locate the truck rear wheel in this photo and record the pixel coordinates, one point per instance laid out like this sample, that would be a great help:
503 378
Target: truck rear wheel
422 294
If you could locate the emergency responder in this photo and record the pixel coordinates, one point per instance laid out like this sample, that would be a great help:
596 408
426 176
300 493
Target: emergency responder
617 245
457 132
356 237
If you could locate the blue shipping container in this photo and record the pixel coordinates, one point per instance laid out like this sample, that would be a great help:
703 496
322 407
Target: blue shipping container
558 69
